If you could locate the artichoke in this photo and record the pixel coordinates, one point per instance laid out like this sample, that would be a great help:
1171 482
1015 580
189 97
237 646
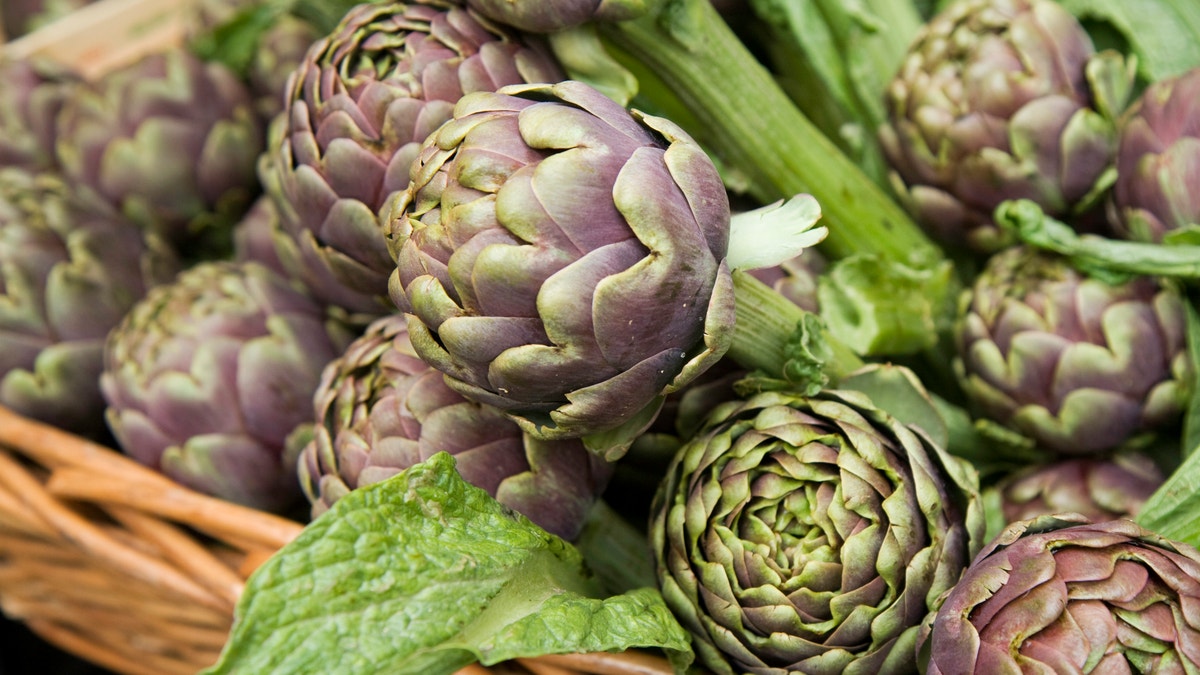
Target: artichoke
539 16
380 409
32 92
170 141
207 377
69 271
256 235
1065 596
1077 364
357 110
1098 488
811 535
992 103
563 259
1156 189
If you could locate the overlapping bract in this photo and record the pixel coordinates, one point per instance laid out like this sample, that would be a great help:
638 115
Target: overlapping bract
992 103
207 377
811 535
1158 161
1077 364
32 92
380 410
539 16
563 259
356 112
69 271
1099 488
1061 595
171 142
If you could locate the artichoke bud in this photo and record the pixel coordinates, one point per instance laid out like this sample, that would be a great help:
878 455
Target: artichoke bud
995 101
207 377
32 92
811 534
562 259
1075 363
355 113
1156 188
1060 594
380 409
70 269
171 142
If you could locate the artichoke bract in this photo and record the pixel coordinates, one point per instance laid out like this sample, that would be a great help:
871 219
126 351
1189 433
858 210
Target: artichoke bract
1065 596
1099 488
563 259
811 535
1073 362
356 112
380 409
207 377
539 16
32 92
1156 189
992 103
69 271
171 142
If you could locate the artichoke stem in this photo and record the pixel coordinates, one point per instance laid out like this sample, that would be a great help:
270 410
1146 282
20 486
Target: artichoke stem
766 322
616 551
750 124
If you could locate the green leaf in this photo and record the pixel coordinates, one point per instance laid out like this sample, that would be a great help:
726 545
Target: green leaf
881 307
897 390
1173 511
424 574
1164 34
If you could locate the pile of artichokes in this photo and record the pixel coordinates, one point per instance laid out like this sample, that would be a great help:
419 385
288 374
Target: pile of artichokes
320 243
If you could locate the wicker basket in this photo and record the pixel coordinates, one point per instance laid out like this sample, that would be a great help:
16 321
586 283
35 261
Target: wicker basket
107 559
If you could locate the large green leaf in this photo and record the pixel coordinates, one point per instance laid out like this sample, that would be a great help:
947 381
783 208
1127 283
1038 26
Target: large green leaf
423 574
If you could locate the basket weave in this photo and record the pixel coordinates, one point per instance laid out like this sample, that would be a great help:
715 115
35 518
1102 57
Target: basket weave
121 566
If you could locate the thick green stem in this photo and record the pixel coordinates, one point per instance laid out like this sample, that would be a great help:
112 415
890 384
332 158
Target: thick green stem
765 328
747 120
616 551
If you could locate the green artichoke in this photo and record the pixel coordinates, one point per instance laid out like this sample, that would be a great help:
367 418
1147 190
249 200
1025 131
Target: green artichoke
69 271
357 110
563 259
171 142
1061 595
380 409
539 16
993 103
1074 363
1099 488
256 235
207 377
32 92
811 535
1156 189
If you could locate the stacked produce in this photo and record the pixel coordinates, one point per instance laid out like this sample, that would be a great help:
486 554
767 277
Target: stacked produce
763 338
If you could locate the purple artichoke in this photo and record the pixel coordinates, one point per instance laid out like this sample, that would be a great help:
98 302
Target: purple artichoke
380 409
1074 363
207 377
1095 487
992 103
69 271
562 259
1157 188
32 92
1061 595
357 110
171 142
